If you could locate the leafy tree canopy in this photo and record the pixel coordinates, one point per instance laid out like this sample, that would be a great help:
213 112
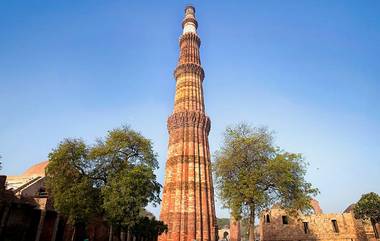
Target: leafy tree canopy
124 164
127 192
223 222
252 174
122 146
114 177
368 207
148 228
68 180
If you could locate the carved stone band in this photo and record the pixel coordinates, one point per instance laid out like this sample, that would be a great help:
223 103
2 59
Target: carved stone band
189 119
193 20
185 186
189 68
187 159
189 36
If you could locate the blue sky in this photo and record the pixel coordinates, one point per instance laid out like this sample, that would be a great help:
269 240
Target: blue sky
309 70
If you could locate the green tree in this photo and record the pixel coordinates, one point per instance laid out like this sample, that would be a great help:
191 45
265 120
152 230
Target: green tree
69 183
148 228
115 177
252 174
222 222
1 163
368 207
127 193
121 146
124 165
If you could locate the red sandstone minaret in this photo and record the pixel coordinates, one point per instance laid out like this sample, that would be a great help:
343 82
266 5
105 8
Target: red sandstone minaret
188 195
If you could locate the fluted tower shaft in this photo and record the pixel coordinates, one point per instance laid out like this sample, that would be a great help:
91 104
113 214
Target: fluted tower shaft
188 195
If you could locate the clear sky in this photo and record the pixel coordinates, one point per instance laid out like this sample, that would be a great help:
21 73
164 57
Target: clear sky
309 70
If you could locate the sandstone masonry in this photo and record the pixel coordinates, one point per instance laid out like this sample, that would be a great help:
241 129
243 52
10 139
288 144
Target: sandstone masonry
188 193
276 225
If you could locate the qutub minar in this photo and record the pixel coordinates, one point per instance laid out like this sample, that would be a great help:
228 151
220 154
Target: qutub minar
188 194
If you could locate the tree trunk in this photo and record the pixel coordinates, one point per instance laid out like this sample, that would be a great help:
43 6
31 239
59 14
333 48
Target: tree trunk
122 236
110 235
90 235
55 228
128 235
4 219
375 231
40 224
74 233
252 224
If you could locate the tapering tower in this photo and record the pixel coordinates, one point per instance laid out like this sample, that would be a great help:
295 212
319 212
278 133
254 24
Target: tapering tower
188 195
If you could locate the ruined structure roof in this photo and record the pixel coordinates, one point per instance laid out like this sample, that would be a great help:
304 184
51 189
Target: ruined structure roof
349 209
316 207
36 170
29 177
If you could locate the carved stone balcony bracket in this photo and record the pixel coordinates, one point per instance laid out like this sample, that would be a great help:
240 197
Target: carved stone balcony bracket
189 68
189 119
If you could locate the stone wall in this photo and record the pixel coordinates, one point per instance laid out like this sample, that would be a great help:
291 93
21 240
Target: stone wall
276 225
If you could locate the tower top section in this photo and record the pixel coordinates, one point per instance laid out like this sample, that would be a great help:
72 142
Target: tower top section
189 23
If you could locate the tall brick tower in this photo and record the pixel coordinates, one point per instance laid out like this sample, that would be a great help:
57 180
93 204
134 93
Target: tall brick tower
188 196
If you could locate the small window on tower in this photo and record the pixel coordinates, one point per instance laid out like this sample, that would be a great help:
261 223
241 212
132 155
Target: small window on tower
267 218
335 226
285 220
306 227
